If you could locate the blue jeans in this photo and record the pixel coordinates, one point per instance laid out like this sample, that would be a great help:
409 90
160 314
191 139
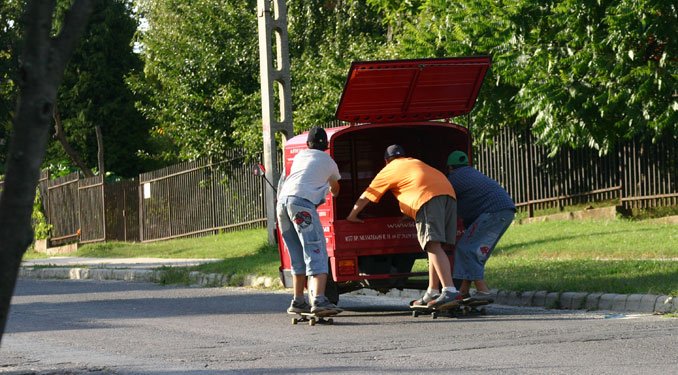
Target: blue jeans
476 244
303 235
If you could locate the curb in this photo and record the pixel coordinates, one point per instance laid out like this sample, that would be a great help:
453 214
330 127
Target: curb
628 303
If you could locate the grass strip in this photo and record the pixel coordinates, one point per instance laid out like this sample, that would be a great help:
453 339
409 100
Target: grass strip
615 256
617 276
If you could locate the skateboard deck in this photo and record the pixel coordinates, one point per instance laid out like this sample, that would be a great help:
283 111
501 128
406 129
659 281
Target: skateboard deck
314 318
463 309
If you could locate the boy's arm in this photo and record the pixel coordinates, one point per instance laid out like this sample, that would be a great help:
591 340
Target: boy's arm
359 205
334 187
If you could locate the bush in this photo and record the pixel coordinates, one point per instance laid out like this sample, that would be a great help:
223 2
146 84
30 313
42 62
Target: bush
41 228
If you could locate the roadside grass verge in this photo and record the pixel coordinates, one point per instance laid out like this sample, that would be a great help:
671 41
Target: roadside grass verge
590 239
616 256
584 275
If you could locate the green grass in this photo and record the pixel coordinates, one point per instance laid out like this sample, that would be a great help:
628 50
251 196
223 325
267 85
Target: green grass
619 276
589 239
243 253
240 243
616 256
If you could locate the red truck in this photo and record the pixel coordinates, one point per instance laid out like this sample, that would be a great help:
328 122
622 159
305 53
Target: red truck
387 102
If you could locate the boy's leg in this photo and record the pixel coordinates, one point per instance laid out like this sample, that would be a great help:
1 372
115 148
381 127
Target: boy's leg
298 285
433 290
294 249
441 264
477 244
465 287
318 283
433 280
310 233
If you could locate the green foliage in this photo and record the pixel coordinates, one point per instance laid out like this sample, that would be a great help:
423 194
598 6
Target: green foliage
324 40
578 73
10 11
41 229
94 92
174 275
201 72
201 76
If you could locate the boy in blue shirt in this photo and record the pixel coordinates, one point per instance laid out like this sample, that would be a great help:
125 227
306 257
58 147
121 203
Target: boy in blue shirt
487 211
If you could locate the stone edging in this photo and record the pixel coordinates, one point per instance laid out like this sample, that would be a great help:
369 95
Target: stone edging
640 303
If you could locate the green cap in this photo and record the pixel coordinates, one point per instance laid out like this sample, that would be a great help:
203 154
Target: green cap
457 158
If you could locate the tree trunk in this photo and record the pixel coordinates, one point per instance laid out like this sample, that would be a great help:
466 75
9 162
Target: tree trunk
61 137
100 150
41 71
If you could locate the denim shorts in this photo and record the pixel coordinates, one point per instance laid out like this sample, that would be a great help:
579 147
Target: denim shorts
303 235
476 244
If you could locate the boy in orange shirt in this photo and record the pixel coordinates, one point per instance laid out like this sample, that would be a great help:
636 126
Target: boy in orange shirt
425 195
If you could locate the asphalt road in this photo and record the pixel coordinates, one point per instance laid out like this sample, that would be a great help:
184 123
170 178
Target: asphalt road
93 327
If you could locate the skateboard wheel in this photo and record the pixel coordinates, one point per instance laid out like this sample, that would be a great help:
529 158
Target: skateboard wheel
311 322
434 315
295 320
330 321
415 314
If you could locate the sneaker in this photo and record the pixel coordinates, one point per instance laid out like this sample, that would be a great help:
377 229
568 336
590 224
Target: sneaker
322 306
447 300
299 307
479 298
423 301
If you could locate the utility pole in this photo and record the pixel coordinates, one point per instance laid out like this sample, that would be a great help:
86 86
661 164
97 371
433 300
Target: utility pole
275 87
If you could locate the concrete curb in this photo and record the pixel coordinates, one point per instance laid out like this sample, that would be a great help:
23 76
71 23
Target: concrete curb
636 303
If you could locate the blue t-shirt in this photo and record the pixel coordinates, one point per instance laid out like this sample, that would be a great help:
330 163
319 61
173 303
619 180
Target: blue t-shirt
477 194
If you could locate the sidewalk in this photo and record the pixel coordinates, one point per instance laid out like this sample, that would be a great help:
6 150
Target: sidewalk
149 270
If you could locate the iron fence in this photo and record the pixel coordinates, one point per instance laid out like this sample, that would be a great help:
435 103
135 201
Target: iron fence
636 174
203 197
199 197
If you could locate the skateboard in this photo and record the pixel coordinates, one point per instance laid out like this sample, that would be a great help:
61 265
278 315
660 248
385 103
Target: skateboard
473 308
314 318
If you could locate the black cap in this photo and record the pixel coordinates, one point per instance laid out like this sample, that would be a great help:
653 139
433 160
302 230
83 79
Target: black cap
394 151
317 139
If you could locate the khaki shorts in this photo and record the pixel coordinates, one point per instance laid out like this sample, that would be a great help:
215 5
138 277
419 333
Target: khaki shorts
437 221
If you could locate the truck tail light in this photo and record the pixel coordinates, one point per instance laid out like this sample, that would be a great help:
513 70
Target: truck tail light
346 267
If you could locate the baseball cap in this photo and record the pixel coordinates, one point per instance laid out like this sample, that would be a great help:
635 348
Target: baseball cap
393 151
457 158
317 138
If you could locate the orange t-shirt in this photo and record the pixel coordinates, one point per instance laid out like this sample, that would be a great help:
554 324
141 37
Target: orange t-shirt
411 181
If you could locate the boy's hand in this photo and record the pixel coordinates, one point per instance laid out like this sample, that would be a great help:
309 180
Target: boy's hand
354 219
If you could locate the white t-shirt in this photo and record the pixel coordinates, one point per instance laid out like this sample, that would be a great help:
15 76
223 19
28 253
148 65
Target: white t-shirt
309 175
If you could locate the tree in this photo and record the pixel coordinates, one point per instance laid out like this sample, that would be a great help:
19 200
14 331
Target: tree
10 11
94 93
325 37
202 71
42 64
603 71
201 74
577 73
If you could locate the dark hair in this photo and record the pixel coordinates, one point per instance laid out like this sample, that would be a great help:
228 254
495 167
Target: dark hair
317 139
